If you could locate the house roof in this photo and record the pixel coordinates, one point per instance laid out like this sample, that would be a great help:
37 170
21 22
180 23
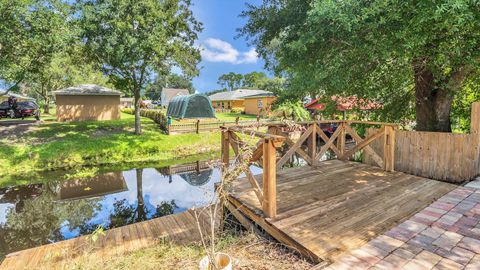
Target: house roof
11 94
173 92
86 90
238 94
268 94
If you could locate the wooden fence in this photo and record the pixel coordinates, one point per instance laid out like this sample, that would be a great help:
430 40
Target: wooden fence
208 125
436 155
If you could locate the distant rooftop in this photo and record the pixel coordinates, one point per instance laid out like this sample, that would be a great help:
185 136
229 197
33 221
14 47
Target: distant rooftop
238 94
87 90
11 94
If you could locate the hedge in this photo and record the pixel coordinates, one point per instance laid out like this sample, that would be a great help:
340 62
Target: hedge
158 116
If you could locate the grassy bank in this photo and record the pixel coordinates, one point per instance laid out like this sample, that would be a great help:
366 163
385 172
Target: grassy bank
52 145
247 250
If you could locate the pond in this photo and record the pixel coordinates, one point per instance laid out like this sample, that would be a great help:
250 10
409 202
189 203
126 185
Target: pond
37 214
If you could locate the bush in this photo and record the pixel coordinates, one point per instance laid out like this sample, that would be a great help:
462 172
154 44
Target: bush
158 116
236 110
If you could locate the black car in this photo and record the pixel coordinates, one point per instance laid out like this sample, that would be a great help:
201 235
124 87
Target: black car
24 109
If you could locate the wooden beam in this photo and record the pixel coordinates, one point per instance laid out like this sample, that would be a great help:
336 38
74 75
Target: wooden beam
248 173
475 119
341 139
269 204
299 151
312 144
368 149
294 148
363 144
225 148
389 149
328 144
276 233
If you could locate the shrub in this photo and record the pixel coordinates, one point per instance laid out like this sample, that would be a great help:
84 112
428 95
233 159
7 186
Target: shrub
236 110
158 116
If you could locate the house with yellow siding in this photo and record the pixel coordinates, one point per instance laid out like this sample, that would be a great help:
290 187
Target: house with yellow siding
260 104
237 99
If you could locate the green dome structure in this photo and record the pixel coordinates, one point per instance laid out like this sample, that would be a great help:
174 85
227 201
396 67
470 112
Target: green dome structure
190 106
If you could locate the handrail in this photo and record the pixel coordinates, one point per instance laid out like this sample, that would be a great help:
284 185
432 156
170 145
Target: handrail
266 150
256 133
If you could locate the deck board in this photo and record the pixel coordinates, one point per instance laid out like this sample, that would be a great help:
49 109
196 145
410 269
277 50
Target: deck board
179 228
338 206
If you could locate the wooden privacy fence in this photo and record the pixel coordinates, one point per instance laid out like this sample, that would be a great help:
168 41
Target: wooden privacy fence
443 156
435 155
275 148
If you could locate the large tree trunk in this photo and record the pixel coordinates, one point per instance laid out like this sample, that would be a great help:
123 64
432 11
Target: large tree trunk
433 98
138 127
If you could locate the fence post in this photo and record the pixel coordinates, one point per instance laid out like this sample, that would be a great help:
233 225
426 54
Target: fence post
269 204
475 130
312 144
341 139
198 126
225 148
475 119
389 149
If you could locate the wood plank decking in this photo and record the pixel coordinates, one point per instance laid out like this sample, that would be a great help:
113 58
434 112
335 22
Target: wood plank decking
178 228
337 206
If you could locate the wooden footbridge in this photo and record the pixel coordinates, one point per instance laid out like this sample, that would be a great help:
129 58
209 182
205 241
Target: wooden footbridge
328 207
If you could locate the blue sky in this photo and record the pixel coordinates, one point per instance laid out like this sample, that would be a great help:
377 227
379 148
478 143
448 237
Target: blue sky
221 52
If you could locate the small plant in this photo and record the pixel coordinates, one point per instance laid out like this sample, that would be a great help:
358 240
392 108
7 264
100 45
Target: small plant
228 175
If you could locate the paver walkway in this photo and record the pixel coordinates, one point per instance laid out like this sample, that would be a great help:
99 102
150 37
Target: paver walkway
445 235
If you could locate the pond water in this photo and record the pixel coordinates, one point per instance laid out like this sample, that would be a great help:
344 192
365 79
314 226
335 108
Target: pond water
37 214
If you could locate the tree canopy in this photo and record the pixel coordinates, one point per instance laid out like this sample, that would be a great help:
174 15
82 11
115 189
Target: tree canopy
134 40
407 54
31 33
255 79
172 80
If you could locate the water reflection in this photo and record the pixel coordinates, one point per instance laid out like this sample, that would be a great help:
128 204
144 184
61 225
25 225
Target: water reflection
37 214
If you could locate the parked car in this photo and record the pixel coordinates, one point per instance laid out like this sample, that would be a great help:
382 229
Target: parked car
24 109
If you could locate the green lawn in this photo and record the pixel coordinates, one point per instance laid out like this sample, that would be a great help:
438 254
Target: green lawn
55 145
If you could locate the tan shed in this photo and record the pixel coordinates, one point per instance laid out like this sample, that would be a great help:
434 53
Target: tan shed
87 102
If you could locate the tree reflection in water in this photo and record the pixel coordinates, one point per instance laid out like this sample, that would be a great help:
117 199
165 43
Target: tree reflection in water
41 218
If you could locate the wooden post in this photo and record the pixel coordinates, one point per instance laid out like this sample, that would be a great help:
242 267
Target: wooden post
475 130
198 126
475 119
312 145
269 204
341 140
225 148
389 149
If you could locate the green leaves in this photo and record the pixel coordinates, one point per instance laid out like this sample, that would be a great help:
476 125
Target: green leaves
365 47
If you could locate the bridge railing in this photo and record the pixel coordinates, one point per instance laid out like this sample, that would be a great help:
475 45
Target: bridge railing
276 147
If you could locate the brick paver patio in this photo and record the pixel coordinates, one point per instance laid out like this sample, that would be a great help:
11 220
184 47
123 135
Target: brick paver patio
445 235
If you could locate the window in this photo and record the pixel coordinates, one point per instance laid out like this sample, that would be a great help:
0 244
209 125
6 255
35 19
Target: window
218 104
260 103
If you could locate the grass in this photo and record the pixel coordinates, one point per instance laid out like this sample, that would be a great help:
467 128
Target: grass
247 250
54 145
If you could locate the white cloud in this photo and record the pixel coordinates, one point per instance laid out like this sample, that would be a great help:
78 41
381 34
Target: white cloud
217 50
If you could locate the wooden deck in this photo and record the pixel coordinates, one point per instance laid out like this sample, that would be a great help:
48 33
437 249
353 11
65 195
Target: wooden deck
179 228
337 206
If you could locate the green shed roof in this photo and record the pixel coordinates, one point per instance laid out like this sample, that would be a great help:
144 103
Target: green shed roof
190 106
